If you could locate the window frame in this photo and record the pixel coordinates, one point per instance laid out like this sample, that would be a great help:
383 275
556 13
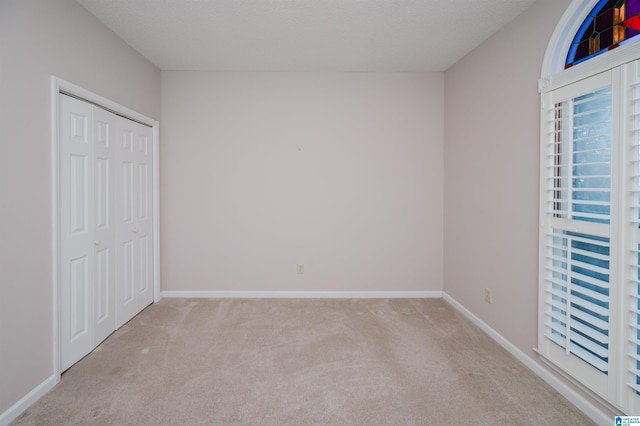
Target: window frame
623 63
553 74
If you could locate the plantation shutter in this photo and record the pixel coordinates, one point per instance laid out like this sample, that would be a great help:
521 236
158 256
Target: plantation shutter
575 240
632 234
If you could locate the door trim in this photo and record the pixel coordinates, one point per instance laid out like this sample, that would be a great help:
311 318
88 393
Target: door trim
59 85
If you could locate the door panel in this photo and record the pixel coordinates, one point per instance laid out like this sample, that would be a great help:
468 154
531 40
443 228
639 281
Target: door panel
145 266
104 228
128 266
126 304
127 192
103 288
103 198
78 183
144 225
79 295
134 230
143 192
76 260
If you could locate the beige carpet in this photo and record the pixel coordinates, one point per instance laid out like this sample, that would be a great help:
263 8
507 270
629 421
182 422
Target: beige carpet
301 362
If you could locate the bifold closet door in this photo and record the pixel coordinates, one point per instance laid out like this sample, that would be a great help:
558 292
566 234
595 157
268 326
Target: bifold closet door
87 268
106 223
134 180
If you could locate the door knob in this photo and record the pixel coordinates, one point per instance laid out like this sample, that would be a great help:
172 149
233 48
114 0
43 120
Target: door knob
135 230
96 242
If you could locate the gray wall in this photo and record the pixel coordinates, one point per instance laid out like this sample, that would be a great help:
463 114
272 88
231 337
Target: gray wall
340 172
38 39
492 149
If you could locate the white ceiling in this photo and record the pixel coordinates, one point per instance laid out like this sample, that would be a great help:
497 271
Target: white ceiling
305 35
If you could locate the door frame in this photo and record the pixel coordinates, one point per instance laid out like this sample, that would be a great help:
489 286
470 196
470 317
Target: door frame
59 85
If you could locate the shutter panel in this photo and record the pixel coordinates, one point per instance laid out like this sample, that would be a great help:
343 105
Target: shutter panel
576 208
632 288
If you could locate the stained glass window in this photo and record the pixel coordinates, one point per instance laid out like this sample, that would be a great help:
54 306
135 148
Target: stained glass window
611 23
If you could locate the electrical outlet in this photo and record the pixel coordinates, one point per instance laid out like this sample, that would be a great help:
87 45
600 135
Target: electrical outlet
487 295
300 269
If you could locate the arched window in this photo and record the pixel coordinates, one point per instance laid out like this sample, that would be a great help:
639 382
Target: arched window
589 298
610 24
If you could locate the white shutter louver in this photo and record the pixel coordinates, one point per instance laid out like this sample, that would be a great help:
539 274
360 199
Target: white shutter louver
632 305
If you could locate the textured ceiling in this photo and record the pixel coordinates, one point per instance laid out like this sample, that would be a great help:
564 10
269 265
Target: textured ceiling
305 35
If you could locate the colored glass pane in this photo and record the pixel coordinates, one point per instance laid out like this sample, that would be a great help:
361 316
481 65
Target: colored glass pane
610 23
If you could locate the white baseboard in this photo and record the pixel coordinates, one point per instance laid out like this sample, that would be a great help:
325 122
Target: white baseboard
21 406
574 397
306 294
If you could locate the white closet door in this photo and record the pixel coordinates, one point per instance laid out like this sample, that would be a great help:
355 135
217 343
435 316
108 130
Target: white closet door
86 228
134 219
104 233
144 212
106 224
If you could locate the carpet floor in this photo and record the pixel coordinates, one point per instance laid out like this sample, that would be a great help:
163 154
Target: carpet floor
301 362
